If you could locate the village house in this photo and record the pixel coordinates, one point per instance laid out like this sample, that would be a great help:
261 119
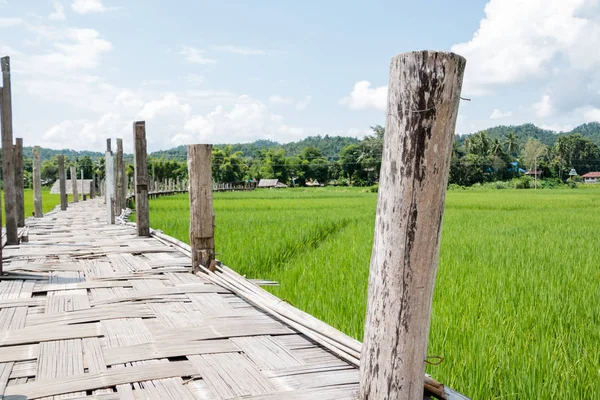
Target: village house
591 177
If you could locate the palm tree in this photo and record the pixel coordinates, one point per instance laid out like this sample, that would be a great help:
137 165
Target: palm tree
512 144
497 147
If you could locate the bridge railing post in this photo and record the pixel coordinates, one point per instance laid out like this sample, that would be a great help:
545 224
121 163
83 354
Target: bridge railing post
202 239
74 184
423 98
8 158
109 167
142 216
19 183
119 178
37 182
62 176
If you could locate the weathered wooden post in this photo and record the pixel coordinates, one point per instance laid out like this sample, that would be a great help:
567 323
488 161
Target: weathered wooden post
109 167
124 185
37 183
19 182
74 184
8 159
119 177
423 97
202 239
142 215
62 176
93 186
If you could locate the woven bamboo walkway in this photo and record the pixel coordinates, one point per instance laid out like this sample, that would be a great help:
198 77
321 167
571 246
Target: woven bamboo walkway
89 310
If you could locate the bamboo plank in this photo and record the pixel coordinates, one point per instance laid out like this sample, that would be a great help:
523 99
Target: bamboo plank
104 379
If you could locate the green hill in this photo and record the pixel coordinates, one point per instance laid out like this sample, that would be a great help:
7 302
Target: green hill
523 132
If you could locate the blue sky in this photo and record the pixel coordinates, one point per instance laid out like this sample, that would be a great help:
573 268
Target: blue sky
236 71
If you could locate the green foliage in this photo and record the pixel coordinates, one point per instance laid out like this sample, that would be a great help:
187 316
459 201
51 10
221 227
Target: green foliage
523 183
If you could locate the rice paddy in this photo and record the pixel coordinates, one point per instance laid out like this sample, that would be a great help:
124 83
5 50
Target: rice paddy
49 201
515 313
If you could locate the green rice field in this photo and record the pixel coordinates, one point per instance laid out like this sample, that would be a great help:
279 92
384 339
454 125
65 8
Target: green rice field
49 201
516 310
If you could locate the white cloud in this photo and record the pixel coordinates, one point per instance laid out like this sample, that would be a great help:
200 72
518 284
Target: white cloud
10 22
592 115
82 49
246 51
196 56
497 114
277 99
303 104
558 127
364 97
84 134
195 79
543 108
247 120
88 6
170 104
519 40
59 12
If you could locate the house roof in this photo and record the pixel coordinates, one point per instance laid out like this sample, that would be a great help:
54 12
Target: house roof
267 183
81 186
592 175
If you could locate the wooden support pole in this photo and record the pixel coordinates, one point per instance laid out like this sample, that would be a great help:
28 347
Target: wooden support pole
423 97
142 215
37 182
93 186
124 185
119 178
74 184
19 182
110 187
202 239
8 159
62 176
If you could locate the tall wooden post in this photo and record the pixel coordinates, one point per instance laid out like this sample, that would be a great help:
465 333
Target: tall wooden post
74 184
110 187
423 97
8 159
62 176
119 177
37 183
93 186
202 239
108 150
124 185
19 182
142 215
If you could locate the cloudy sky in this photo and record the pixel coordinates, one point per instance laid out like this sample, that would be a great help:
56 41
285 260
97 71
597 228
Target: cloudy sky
239 70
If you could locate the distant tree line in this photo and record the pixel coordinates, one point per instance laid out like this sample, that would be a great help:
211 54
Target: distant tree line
498 154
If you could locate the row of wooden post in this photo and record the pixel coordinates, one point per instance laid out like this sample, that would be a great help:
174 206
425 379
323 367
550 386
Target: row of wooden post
423 98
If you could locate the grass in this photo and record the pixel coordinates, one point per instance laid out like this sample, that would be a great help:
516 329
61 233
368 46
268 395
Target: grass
49 201
515 312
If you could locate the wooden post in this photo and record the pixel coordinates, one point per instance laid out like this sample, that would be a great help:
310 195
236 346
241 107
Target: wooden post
93 186
37 183
8 159
119 177
124 185
62 176
19 182
74 184
142 215
110 186
202 239
108 150
423 97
